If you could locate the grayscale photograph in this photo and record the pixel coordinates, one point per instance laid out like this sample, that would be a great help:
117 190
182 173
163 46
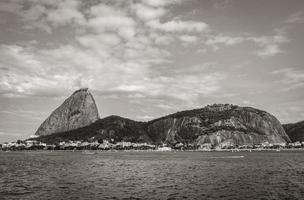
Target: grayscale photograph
152 99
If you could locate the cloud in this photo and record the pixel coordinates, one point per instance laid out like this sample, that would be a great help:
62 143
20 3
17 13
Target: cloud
269 50
188 38
25 114
166 106
222 39
147 13
270 45
65 12
161 39
198 69
100 41
145 117
45 72
116 47
160 3
248 103
295 18
186 87
136 95
291 79
4 133
179 26
44 14
106 18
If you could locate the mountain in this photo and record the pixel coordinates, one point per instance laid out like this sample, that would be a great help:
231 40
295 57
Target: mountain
295 131
79 110
112 127
218 124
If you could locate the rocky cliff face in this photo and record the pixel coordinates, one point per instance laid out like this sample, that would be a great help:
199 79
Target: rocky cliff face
295 131
219 125
77 111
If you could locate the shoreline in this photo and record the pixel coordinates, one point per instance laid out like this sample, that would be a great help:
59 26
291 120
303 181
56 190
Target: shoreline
173 150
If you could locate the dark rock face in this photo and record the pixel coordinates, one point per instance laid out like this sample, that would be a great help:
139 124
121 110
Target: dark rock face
295 131
77 111
220 125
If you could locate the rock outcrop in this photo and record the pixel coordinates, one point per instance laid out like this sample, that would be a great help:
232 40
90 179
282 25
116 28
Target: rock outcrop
218 125
77 111
295 131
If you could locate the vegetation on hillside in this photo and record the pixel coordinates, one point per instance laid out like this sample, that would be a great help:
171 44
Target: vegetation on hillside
295 131
112 127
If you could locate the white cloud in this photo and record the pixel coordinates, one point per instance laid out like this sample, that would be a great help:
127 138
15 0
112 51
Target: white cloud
33 72
166 106
108 18
65 12
188 38
160 3
100 41
145 117
186 87
222 39
248 103
147 13
269 50
161 39
179 26
270 45
136 95
43 14
123 25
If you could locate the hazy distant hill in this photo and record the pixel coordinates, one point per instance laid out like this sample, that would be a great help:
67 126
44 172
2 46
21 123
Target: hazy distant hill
218 124
295 131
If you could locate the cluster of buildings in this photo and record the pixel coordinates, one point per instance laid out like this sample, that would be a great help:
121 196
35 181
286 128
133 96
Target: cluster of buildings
23 145
264 145
75 145
33 144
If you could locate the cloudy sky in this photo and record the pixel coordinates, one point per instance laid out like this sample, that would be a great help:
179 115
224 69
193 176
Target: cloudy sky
145 58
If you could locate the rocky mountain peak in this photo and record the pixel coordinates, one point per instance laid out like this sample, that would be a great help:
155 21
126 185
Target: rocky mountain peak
77 111
81 90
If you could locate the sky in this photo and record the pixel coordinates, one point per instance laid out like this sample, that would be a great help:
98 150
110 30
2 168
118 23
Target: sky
142 59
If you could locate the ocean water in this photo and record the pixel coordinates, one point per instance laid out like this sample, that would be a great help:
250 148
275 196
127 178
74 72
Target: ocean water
152 175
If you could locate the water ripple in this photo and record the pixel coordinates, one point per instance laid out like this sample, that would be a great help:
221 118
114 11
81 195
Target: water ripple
152 175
